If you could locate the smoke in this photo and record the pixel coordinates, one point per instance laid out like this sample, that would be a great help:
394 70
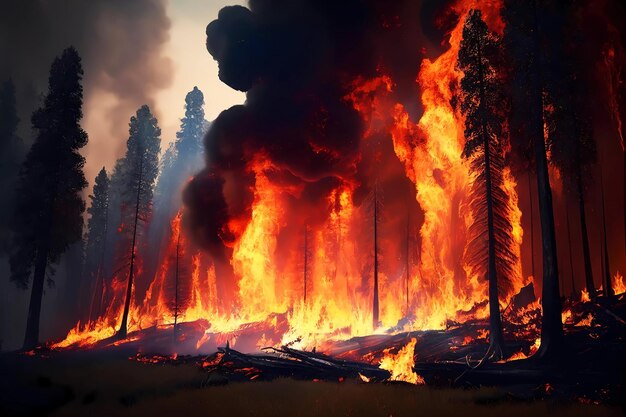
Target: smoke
120 43
297 62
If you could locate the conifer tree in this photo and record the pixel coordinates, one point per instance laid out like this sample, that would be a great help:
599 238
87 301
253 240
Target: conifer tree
481 103
480 96
138 174
570 135
49 207
528 23
97 226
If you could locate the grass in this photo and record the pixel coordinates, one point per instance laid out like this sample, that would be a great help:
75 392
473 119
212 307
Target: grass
105 386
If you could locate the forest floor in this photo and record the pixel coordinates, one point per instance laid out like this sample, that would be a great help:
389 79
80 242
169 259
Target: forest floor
82 383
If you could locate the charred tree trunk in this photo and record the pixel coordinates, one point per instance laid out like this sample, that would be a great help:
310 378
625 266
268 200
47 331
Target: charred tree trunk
99 285
123 331
176 279
532 224
306 261
496 338
569 244
31 338
608 287
375 318
407 258
552 326
585 239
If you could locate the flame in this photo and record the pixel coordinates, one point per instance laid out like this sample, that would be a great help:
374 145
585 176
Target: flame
584 296
585 322
618 284
401 364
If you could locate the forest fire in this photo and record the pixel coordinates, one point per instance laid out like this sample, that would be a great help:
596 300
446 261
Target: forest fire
441 285
412 193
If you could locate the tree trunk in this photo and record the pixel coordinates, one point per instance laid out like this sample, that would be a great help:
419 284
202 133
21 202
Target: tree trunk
31 338
585 239
532 224
608 287
306 261
123 331
569 244
407 258
176 307
496 338
375 318
552 326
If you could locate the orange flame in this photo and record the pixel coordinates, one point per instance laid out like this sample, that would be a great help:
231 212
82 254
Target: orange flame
401 364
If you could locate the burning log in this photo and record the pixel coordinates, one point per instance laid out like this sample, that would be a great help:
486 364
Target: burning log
288 362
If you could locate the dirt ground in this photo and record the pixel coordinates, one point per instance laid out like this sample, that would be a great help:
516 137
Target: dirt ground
83 384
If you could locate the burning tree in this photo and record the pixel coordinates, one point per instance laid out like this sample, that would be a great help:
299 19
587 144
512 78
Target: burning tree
96 238
139 171
481 96
49 207
10 155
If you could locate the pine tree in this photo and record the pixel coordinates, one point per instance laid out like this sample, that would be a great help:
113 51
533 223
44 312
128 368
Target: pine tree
49 207
139 172
192 129
182 159
10 157
184 156
97 226
524 33
481 103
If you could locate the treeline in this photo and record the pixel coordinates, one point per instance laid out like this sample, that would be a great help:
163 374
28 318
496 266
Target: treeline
526 96
42 220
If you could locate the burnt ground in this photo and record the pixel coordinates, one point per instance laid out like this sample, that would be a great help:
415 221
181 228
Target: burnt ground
96 383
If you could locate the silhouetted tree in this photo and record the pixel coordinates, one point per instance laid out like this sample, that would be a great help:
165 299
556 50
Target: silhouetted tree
570 135
524 34
482 104
375 301
49 207
97 226
139 172
10 157
609 292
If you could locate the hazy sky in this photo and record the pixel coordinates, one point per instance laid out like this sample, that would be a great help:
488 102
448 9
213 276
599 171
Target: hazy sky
192 63
192 66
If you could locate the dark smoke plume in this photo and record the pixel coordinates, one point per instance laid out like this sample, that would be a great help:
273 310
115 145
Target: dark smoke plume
296 61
